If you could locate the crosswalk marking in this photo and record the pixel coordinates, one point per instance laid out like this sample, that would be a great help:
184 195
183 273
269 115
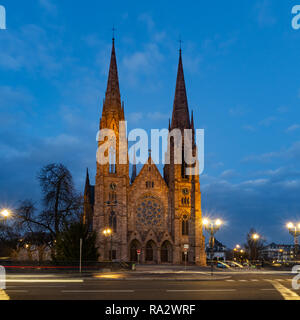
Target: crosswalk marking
255 280
285 292
3 295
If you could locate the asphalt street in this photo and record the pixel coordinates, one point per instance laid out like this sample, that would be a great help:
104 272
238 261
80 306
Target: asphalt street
224 286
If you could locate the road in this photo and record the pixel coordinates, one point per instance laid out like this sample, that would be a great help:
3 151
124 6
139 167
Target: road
230 286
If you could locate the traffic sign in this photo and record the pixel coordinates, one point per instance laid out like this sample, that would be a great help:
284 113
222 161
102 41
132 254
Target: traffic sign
186 246
138 251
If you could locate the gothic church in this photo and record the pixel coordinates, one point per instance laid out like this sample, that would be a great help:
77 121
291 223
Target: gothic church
152 218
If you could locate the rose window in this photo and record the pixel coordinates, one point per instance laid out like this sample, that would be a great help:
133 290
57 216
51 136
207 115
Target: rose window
149 212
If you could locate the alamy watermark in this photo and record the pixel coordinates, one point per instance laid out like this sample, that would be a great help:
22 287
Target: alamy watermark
296 18
2 18
2 278
295 284
178 147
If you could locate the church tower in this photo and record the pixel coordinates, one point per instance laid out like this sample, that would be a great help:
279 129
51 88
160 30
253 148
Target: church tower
112 179
184 189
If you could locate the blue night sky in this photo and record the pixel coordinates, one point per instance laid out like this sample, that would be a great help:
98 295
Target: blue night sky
240 60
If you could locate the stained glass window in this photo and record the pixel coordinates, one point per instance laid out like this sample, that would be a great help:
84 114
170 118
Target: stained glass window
149 212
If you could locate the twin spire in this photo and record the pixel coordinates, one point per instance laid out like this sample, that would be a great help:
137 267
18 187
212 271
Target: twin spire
113 97
180 116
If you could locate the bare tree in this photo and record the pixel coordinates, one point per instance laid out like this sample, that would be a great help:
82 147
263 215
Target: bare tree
254 247
61 204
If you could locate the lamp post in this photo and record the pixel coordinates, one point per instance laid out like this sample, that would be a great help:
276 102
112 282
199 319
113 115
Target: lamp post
108 232
294 230
236 249
111 205
212 227
241 257
255 237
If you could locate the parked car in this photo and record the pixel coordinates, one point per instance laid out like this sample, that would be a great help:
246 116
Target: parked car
221 265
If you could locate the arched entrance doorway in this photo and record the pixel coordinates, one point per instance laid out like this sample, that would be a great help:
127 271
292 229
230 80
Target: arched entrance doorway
134 246
151 250
166 252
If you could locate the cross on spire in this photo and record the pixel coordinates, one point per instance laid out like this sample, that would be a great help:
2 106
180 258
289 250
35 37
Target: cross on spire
180 44
114 31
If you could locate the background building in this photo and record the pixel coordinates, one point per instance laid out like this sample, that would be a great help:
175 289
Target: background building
219 251
278 252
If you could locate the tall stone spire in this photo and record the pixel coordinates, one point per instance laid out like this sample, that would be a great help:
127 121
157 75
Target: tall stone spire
180 117
87 183
113 97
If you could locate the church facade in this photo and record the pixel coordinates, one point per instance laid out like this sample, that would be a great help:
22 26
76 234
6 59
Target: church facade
153 218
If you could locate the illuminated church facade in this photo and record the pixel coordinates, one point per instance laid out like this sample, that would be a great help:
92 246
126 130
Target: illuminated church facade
153 218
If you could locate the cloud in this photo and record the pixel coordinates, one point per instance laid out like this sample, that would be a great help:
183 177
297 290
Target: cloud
265 202
142 63
283 109
288 154
30 48
12 96
49 6
147 19
157 116
136 117
249 128
227 174
268 121
293 128
238 111
264 13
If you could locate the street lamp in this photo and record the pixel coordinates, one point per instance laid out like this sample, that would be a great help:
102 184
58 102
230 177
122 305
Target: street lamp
237 247
294 230
212 226
255 237
108 232
5 214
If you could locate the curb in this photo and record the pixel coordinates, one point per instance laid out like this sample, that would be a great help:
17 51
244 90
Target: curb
162 279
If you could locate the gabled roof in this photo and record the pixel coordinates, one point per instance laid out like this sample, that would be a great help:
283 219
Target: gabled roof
144 171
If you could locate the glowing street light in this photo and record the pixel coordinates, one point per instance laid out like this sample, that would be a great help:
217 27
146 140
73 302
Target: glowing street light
255 236
5 213
107 232
294 230
236 249
212 226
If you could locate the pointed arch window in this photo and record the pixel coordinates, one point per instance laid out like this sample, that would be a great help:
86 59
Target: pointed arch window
185 225
185 201
112 160
149 184
112 196
113 222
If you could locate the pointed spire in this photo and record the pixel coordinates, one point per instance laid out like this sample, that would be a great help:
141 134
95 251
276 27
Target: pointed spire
193 127
192 121
180 117
112 96
87 182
